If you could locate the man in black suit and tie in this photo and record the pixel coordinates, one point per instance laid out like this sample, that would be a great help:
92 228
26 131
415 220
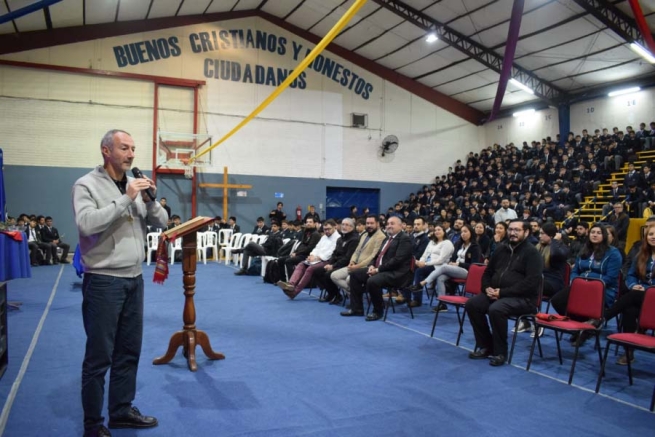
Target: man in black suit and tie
34 243
50 235
390 268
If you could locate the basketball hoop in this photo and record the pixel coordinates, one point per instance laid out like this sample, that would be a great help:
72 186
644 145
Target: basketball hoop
188 170
177 151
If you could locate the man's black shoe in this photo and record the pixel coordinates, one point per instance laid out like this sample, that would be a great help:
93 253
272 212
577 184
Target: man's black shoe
133 419
497 360
373 317
102 431
351 313
240 272
337 300
480 354
326 298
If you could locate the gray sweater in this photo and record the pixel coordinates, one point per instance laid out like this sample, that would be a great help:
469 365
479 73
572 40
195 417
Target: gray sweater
111 226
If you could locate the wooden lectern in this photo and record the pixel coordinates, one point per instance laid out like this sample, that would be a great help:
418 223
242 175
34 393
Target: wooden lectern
189 336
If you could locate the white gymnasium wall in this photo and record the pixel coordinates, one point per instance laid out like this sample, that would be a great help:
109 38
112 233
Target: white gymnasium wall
530 127
609 112
57 119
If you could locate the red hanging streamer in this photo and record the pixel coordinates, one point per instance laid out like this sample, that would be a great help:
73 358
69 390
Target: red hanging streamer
643 26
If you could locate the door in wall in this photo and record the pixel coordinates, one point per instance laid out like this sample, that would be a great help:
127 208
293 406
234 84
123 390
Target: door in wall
338 201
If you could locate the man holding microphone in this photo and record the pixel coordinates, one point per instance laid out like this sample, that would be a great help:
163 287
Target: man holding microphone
111 214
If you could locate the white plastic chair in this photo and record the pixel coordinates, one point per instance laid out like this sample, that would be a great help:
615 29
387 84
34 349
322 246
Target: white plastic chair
232 244
236 244
201 246
175 246
224 236
152 243
243 241
211 242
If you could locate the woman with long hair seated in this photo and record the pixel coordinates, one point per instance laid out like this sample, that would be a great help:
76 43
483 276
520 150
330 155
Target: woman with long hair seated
438 252
481 237
467 252
597 260
500 237
614 240
640 277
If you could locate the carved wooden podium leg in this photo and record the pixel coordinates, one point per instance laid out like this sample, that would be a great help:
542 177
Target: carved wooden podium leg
189 337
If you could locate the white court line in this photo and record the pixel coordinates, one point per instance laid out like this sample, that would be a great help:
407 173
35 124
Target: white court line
26 361
639 407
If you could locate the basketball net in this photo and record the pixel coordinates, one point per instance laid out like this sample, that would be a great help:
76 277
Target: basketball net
188 170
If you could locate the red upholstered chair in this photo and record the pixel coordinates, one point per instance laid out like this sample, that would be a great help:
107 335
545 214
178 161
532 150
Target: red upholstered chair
586 301
472 286
567 279
458 282
631 341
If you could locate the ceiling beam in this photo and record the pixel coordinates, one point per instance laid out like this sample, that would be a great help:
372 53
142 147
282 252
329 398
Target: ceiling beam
487 57
26 10
615 19
435 97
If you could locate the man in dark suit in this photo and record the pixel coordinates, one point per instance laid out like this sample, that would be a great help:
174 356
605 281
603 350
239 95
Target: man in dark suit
50 235
232 224
390 268
34 243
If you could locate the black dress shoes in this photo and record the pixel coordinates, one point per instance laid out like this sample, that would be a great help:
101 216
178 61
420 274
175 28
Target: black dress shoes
351 313
497 360
337 300
480 354
373 317
326 298
102 431
133 419
240 272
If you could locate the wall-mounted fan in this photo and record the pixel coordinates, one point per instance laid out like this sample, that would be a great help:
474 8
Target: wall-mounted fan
389 145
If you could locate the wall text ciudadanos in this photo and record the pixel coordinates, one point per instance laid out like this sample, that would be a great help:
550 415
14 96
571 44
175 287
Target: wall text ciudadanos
217 67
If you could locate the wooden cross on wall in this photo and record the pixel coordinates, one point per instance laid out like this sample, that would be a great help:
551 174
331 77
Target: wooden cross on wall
225 186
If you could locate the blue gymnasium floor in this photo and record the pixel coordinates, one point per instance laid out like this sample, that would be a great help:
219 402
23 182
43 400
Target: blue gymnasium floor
297 368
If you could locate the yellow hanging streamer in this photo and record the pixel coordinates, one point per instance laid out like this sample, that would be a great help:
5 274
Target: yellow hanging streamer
327 39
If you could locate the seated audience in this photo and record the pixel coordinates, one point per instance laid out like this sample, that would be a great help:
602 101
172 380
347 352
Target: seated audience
510 287
640 277
35 243
308 242
597 260
50 235
391 268
437 253
267 248
317 259
465 253
368 246
343 252
259 229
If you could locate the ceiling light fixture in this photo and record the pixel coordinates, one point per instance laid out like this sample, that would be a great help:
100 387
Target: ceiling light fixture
522 113
432 37
638 49
518 84
634 89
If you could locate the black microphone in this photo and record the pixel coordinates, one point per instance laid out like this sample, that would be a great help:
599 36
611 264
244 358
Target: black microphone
137 174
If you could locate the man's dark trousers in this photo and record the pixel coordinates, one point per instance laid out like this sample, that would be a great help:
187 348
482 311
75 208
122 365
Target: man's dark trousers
499 311
112 311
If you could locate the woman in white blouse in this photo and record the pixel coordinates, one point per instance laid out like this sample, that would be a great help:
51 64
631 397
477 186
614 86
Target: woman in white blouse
439 251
